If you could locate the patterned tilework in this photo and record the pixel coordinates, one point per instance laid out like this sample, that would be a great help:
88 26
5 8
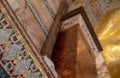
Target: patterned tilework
4 35
11 52
16 60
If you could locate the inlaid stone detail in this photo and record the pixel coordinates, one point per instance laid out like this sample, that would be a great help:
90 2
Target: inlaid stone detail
4 23
34 75
14 38
22 66
12 52
4 35
33 67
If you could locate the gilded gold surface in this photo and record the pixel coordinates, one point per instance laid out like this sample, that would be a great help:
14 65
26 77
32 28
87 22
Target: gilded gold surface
108 33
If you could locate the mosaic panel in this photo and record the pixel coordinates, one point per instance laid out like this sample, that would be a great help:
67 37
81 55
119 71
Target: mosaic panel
16 58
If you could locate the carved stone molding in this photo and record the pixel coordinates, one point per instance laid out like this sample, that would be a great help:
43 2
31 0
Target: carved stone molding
70 22
79 20
79 17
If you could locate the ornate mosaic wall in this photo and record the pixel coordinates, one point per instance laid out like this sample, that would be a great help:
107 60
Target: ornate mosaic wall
17 54
95 9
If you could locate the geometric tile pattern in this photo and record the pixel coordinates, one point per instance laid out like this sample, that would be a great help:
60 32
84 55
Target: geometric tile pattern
22 66
33 75
4 35
15 59
12 52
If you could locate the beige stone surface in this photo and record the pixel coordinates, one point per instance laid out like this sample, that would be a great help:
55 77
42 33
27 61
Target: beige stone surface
28 22
73 4
43 12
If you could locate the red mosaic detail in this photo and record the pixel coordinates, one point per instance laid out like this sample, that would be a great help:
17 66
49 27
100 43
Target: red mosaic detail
12 61
1 45
5 62
25 53
20 76
11 71
1 55
33 67
4 22
15 38
15 76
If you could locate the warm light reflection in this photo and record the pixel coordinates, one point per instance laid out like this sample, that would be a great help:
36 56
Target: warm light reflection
108 33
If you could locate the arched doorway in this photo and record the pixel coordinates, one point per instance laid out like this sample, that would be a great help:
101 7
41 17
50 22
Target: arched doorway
108 32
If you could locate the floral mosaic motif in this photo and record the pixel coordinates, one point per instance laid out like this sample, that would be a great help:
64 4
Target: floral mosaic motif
15 59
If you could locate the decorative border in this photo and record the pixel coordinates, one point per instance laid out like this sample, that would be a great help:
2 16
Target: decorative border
38 19
78 16
49 8
25 38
